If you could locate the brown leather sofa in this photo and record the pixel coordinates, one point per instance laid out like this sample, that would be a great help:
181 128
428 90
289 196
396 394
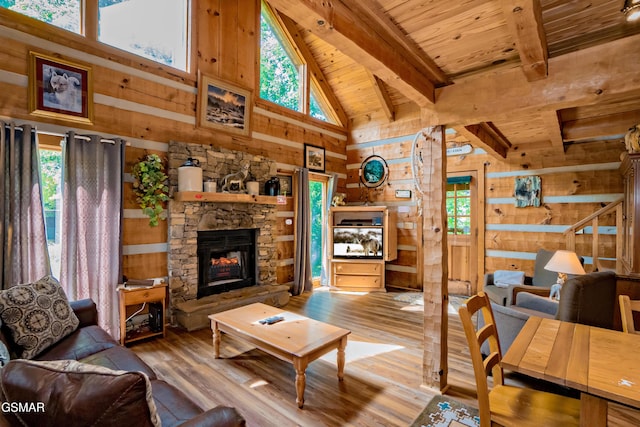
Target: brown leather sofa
90 344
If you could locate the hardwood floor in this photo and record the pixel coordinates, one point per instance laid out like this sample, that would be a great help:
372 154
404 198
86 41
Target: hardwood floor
383 373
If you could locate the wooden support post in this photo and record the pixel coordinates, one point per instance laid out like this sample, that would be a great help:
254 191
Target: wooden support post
435 258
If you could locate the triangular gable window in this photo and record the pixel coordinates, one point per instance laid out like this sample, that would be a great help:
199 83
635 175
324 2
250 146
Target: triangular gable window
282 71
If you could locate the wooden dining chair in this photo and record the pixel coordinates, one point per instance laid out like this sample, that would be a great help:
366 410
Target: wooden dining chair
627 308
504 404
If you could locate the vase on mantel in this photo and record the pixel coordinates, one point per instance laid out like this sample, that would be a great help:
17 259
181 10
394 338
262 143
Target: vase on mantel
272 186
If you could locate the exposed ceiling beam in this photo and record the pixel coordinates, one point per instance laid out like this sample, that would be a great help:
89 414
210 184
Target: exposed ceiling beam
486 136
553 125
524 20
383 96
601 126
314 69
584 77
372 45
371 11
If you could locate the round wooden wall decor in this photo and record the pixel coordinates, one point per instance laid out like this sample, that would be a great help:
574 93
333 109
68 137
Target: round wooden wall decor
373 171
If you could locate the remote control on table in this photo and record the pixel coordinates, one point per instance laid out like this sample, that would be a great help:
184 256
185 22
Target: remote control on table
271 320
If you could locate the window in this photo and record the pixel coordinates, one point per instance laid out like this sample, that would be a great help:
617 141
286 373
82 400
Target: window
459 205
61 13
316 108
279 75
51 177
283 72
155 29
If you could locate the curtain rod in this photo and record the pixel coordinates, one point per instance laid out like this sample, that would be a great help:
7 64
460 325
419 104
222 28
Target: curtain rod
84 138
104 140
20 127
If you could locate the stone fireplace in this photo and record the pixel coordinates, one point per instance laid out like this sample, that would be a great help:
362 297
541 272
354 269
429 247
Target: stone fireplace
250 273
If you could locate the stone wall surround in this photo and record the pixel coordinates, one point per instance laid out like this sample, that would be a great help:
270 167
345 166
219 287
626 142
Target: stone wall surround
185 219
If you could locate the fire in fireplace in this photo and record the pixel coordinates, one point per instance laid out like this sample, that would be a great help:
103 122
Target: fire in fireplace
226 260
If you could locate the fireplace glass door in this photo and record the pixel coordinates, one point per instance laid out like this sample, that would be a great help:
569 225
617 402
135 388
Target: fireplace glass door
226 260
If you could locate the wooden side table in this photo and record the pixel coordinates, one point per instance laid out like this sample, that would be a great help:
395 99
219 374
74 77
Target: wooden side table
138 296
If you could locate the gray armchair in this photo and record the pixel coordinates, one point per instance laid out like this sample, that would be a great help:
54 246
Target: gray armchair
540 283
588 299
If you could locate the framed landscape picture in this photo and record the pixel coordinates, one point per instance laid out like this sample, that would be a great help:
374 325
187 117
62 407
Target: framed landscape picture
314 158
60 89
223 106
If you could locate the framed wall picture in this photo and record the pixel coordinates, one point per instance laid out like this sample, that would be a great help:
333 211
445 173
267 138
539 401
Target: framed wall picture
314 158
527 191
60 89
286 185
223 106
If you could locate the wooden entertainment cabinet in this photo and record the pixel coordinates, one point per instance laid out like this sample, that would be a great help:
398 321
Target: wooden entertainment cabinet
359 272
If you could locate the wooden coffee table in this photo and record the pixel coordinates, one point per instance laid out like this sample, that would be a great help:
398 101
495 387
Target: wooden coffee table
297 339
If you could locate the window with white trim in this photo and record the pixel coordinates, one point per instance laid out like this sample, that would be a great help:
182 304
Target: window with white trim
158 30
284 78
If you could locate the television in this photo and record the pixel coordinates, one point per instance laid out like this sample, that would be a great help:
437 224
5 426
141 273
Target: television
357 242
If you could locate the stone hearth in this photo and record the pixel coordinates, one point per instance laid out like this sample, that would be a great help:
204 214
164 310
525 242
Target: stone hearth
187 218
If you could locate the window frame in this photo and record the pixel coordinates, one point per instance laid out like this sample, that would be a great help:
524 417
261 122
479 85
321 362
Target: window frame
89 26
307 82
455 215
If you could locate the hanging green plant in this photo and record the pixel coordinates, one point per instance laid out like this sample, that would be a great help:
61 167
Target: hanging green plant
150 187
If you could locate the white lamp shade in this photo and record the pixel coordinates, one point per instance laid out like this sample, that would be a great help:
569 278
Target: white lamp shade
565 262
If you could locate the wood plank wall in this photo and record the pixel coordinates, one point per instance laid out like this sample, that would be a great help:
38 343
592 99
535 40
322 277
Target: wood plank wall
149 105
574 185
391 141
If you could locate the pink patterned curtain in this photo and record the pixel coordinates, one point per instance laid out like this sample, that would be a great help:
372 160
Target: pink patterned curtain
23 250
92 173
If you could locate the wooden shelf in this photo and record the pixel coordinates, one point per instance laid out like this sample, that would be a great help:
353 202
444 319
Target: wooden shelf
199 196
142 334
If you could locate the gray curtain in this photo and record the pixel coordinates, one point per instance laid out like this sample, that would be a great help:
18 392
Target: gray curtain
23 252
332 186
302 261
92 174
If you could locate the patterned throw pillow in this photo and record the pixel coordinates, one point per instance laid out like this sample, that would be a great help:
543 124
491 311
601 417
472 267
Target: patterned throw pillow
38 315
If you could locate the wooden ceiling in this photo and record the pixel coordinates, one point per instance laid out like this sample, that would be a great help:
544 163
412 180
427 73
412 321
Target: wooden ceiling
506 74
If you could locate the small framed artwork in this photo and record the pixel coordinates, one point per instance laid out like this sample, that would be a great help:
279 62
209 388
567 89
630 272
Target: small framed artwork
527 191
223 106
60 89
286 185
314 158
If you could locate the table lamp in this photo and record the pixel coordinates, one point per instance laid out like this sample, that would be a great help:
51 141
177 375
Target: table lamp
564 263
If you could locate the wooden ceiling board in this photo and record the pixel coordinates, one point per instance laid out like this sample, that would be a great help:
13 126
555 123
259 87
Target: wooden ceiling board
621 105
523 130
412 15
473 40
576 25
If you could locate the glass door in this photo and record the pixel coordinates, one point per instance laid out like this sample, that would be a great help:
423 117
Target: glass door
318 202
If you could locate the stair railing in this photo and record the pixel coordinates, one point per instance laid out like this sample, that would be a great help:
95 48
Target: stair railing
593 221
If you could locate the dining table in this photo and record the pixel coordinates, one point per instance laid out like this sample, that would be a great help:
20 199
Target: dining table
603 364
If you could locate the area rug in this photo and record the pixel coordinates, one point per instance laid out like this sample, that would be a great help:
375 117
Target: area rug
410 298
417 298
443 411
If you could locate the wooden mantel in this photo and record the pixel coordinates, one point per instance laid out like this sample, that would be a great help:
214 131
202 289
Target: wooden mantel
200 196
